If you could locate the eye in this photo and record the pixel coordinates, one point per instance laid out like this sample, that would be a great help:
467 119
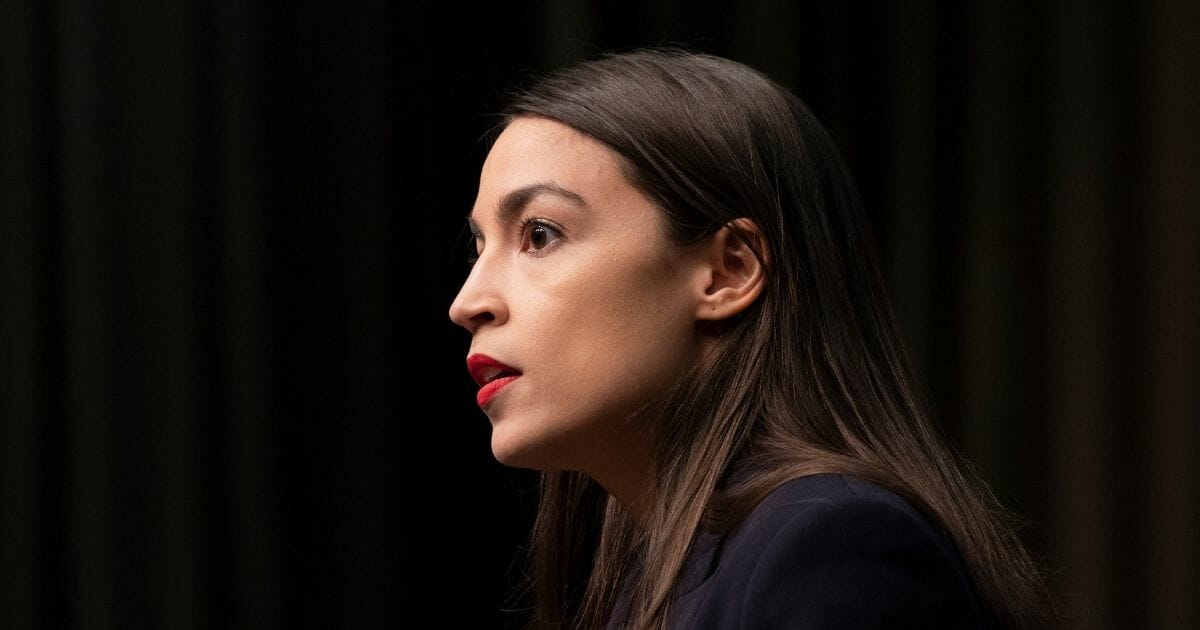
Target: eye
474 244
472 255
537 235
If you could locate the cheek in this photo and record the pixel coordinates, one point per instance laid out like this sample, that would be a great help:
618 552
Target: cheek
607 320
633 336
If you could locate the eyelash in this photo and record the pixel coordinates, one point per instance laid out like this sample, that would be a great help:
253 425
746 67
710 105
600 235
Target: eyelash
522 228
532 222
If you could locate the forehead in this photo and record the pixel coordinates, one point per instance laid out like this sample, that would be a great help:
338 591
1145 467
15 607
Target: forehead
533 151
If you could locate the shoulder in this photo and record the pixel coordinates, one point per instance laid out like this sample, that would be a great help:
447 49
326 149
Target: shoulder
834 508
830 551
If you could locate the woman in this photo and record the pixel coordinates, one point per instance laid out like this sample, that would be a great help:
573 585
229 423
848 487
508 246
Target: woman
676 314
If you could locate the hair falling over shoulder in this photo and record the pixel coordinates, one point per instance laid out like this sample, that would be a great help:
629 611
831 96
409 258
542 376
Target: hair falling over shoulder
812 379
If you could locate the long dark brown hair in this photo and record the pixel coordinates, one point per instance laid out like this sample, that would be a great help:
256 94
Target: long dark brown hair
812 378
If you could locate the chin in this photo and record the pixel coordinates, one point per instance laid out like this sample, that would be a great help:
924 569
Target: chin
518 451
511 452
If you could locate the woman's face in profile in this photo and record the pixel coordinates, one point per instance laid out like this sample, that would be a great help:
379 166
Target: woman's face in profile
579 292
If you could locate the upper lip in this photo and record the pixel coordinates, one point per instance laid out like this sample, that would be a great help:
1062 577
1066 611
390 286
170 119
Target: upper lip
484 368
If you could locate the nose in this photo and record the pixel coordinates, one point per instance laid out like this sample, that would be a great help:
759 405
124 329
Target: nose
478 302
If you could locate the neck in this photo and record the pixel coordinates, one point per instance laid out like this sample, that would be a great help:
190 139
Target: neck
628 481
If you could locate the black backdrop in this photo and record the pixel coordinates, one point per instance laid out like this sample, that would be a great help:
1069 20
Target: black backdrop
229 392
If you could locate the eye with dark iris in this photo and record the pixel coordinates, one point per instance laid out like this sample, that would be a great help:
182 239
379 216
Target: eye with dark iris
538 235
474 243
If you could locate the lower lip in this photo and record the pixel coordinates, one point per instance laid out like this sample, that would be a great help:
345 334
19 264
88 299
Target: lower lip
492 388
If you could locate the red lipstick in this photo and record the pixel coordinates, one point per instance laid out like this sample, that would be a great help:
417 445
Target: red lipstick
492 376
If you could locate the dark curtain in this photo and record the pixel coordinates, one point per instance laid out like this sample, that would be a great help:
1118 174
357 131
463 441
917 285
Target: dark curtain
230 395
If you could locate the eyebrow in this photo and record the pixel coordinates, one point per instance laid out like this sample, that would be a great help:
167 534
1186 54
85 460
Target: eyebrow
514 201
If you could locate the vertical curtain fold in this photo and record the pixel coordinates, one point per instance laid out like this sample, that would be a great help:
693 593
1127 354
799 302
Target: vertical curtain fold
253 594
22 279
1171 195
1080 191
88 493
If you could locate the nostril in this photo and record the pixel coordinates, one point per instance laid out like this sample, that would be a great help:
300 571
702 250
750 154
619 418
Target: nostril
485 316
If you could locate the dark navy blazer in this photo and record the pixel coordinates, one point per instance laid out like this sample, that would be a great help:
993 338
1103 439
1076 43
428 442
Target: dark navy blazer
826 551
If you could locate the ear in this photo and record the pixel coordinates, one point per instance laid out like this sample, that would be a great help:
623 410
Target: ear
732 276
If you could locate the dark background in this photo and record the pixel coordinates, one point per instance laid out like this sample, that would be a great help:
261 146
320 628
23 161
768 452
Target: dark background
230 396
